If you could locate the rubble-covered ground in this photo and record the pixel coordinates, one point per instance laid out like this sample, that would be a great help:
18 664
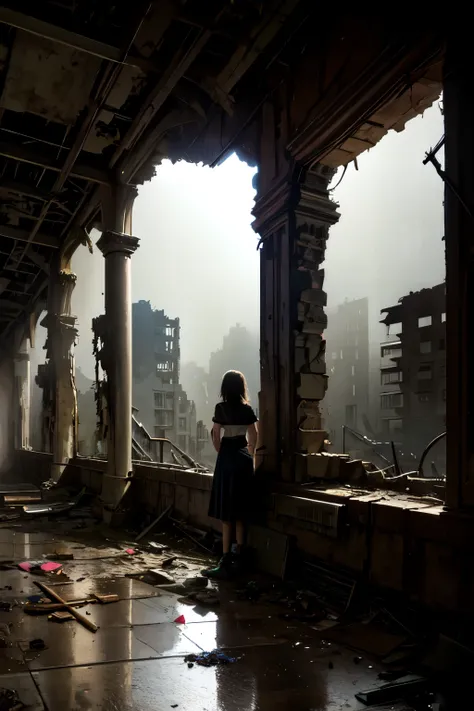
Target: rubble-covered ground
146 655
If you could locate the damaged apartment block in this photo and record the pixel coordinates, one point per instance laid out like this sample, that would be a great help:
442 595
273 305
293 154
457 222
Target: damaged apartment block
413 372
163 406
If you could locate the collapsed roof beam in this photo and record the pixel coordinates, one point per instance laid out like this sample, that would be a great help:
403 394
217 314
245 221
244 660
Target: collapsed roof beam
71 39
36 157
40 239
259 38
161 91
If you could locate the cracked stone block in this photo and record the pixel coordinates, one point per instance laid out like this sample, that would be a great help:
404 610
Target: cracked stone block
318 366
313 317
311 441
317 466
312 386
318 297
309 415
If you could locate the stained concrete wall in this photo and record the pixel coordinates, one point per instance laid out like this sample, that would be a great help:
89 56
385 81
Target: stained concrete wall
399 544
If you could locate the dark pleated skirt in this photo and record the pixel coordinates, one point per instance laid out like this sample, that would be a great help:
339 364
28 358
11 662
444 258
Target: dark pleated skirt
231 486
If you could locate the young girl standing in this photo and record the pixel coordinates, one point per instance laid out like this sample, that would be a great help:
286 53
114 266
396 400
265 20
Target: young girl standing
234 436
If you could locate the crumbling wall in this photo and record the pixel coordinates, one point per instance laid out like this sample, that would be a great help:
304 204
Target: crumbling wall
293 221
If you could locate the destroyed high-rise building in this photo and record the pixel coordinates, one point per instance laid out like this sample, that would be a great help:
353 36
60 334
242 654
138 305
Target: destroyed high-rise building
347 358
162 404
413 369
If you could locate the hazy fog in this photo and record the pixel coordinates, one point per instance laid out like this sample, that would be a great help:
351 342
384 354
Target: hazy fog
389 238
197 257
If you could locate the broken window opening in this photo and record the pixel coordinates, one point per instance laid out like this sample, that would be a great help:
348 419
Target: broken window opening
392 376
389 401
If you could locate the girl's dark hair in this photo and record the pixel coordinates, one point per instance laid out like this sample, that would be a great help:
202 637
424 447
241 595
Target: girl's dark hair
234 388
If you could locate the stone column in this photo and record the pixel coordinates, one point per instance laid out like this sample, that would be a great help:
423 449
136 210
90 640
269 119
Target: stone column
22 397
62 334
117 249
293 220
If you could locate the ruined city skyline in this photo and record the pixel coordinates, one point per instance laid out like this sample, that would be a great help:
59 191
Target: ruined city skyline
206 272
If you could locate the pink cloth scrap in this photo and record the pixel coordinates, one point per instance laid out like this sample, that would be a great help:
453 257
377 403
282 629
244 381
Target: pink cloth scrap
49 567
45 566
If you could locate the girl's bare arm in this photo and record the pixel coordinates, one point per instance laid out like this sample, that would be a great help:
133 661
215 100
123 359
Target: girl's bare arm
252 432
216 436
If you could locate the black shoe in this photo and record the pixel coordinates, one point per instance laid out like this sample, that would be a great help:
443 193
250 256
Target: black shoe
238 564
223 571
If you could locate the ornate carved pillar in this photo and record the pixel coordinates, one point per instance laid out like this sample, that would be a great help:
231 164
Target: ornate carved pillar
22 397
293 219
116 359
62 334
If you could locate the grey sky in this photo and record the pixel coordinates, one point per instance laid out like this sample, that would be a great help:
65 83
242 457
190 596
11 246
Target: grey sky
389 238
197 257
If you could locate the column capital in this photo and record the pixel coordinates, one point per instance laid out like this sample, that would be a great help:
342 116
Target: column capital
111 241
67 278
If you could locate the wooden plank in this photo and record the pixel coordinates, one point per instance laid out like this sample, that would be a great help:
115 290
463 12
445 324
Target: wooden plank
88 624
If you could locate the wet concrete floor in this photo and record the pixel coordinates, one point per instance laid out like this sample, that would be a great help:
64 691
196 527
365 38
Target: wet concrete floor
135 661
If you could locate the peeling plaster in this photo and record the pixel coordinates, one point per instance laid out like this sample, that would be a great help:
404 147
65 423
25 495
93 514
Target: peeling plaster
48 79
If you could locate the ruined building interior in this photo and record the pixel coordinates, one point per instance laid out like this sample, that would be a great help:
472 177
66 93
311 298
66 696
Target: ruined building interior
93 95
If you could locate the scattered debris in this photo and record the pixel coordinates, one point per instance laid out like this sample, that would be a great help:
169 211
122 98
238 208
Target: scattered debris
30 566
61 556
45 606
61 616
37 644
10 701
152 525
331 585
106 599
4 629
183 529
160 576
130 551
80 618
210 659
168 562
49 509
197 582
51 567
160 547
389 693
205 597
